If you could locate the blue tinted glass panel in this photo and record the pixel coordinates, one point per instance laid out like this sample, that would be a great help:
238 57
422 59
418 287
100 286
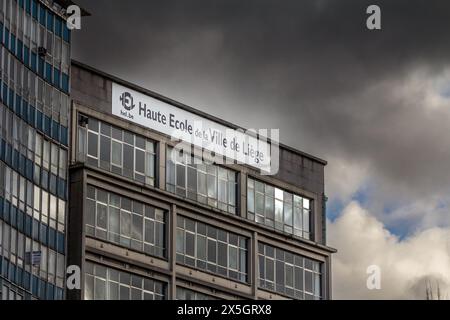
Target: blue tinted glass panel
66 33
55 130
42 15
58 26
64 135
6 38
13 43
50 17
33 61
19 49
34 8
56 77
26 56
28 6
65 82
48 72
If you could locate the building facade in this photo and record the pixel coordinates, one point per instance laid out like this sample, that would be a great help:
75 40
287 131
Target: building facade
146 225
34 130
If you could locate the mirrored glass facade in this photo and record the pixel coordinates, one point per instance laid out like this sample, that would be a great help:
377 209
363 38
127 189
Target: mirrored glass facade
34 120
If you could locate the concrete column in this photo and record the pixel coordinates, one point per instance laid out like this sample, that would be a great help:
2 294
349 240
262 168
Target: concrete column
172 250
254 264
242 199
161 166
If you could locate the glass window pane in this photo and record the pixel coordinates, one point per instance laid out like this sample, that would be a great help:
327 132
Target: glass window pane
201 247
181 175
137 227
269 206
250 200
128 156
90 212
288 214
306 220
190 240
93 144
102 211
298 278
192 179
105 149
278 210
100 289
308 281
259 203
89 287
149 231
223 191
233 258
212 251
201 183
270 269
180 241
212 187
140 161
125 223
114 218
298 222
222 254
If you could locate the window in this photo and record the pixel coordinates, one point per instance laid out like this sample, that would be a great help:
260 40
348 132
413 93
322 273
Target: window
116 150
187 294
278 209
209 184
105 283
214 250
289 274
126 222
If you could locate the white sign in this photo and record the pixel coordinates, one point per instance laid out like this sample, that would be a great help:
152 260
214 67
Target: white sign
189 127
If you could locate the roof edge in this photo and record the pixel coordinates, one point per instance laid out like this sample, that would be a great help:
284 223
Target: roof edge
185 107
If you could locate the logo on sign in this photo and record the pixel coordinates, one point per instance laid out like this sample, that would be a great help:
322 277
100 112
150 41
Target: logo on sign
127 101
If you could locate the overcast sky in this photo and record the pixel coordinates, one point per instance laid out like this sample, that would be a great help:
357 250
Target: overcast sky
375 104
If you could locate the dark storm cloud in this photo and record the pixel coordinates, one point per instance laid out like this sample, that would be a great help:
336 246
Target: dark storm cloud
310 68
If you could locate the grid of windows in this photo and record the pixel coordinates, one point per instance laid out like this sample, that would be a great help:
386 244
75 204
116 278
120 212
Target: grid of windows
187 294
33 155
16 247
126 222
209 248
289 274
206 183
29 25
33 126
278 209
11 292
116 150
30 96
105 283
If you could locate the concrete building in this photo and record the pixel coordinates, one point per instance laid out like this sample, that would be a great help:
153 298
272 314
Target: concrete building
145 225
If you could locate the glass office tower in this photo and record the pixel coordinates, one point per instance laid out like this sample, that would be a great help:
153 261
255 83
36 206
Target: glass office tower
34 120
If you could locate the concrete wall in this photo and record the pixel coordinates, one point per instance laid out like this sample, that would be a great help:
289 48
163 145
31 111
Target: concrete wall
93 88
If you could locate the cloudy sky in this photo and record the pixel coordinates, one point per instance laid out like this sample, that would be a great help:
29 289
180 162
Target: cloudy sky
375 104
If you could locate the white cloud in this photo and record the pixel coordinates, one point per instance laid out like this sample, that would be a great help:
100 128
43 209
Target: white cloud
344 177
406 265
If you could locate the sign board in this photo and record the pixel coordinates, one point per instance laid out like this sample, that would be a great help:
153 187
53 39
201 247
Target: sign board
189 127
33 258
